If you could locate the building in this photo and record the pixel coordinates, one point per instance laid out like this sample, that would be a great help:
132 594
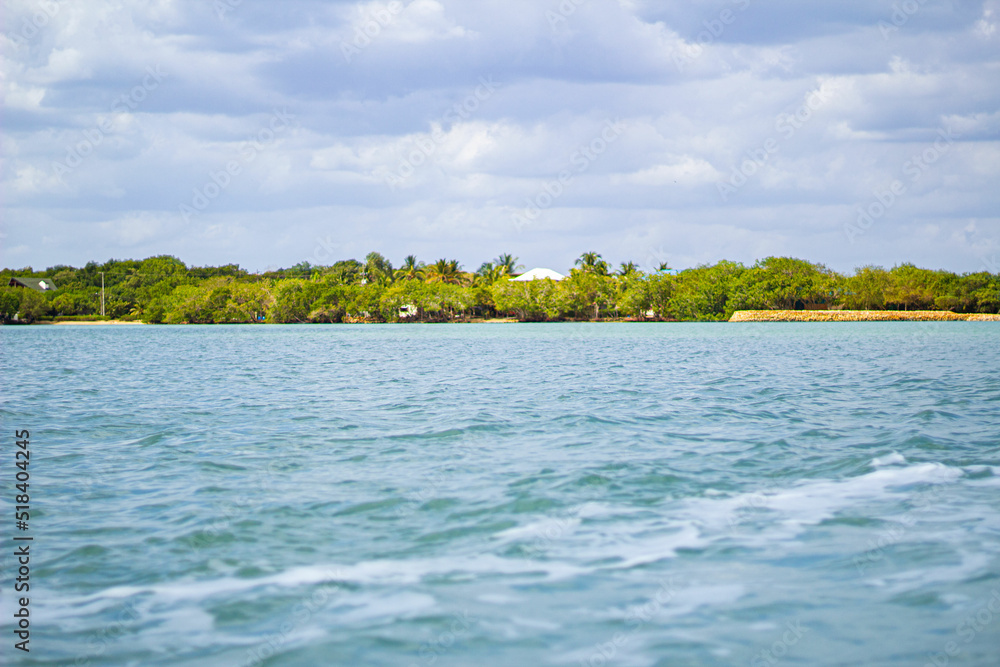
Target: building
37 284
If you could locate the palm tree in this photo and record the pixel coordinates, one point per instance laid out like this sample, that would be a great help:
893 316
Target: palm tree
488 273
444 271
507 264
663 267
592 263
628 269
377 269
411 269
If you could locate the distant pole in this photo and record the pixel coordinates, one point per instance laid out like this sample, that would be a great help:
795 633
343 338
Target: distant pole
102 293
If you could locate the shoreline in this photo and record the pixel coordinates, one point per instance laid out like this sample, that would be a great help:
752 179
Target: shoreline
859 316
92 323
738 316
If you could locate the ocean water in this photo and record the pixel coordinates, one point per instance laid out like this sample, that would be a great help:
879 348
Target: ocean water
550 494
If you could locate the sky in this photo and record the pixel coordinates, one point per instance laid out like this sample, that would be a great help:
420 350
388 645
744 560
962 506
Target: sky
268 133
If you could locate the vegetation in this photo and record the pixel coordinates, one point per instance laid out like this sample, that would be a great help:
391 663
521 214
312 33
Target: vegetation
164 290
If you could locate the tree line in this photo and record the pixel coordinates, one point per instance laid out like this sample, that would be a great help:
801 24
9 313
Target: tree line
163 289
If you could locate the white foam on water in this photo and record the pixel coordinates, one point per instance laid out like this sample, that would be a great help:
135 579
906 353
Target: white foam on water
388 608
376 572
653 612
812 501
928 577
552 528
691 598
754 519
992 480
762 626
664 546
892 459
500 599
535 623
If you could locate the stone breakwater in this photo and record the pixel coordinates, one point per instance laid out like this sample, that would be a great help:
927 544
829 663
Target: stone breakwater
856 316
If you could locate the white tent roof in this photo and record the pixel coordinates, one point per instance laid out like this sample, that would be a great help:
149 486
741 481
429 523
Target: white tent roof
539 274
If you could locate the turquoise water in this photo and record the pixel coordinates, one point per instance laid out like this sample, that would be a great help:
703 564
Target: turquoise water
567 494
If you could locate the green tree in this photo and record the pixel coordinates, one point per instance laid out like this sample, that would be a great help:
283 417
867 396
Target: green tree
910 287
403 300
74 303
628 270
866 289
444 271
708 292
246 303
411 269
531 301
345 272
489 273
783 283
980 292
33 305
293 301
9 303
507 264
591 262
646 294
362 301
588 292
377 269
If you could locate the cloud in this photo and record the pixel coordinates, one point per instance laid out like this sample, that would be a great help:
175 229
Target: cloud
425 125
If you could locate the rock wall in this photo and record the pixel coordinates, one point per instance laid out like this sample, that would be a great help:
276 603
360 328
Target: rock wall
856 316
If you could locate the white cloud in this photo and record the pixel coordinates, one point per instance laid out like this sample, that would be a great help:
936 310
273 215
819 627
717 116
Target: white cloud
689 123
27 98
683 170
986 27
132 229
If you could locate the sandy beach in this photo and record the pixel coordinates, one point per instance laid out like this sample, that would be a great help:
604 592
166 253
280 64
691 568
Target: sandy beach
96 323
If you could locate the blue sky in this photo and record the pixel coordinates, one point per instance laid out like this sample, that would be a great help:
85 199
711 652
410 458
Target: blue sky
268 133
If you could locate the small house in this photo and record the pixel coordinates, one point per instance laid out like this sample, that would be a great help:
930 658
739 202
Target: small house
37 284
538 274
